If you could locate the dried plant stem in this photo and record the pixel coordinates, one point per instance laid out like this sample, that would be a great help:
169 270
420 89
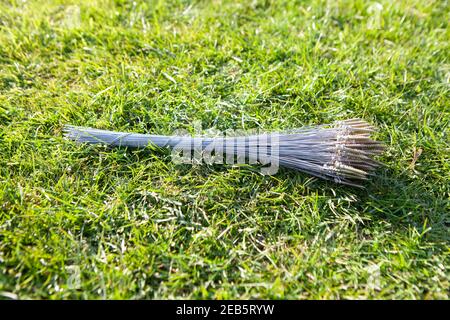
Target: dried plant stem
342 152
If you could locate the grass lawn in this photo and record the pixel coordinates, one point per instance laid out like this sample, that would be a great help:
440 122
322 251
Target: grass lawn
81 221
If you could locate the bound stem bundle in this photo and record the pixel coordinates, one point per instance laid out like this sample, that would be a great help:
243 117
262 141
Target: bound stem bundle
342 152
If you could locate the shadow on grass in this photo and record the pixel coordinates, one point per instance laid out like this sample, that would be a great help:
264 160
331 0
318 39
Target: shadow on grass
406 201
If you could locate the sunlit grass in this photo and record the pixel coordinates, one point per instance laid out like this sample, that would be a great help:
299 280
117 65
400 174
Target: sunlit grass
92 222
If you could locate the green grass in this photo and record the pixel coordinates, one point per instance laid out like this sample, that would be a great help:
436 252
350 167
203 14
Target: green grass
92 222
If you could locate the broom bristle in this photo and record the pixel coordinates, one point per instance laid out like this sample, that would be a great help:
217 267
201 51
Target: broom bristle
342 152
